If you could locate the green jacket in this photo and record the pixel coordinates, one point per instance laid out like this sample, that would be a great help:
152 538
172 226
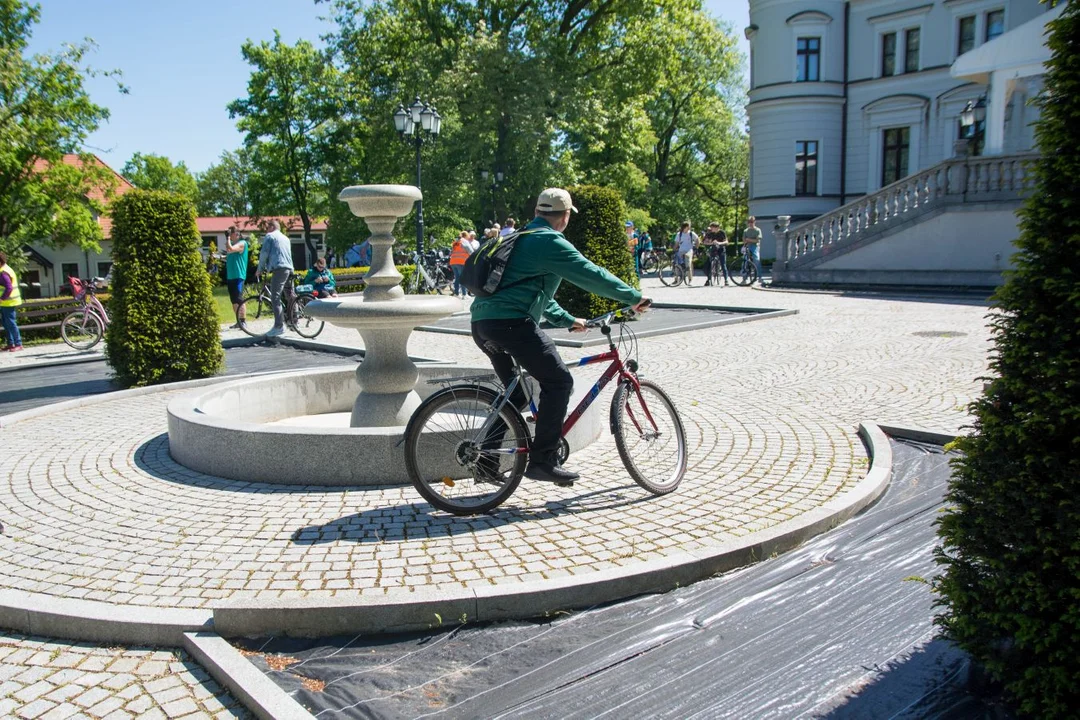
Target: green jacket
542 259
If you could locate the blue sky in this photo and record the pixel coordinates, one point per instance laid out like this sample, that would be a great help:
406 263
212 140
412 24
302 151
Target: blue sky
182 63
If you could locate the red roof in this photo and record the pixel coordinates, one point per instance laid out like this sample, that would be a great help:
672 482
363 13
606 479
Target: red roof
122 185
212 225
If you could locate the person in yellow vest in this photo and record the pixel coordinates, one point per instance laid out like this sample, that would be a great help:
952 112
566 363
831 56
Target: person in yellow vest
459 252
10 298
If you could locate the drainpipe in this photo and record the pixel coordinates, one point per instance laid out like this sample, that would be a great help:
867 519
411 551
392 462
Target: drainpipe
843 117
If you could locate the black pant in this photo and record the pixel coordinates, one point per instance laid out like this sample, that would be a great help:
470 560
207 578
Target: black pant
536 353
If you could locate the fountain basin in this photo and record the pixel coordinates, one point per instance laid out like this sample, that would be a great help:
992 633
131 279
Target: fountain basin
225 429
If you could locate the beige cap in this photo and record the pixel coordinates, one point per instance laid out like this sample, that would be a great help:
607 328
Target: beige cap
554 200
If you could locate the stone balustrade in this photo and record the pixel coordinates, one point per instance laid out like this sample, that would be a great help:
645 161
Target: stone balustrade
960 180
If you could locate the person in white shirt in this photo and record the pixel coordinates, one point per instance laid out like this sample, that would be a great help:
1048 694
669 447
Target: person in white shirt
473 243
509 228
685 242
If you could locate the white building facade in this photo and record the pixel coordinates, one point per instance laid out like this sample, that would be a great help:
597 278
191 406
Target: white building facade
849 97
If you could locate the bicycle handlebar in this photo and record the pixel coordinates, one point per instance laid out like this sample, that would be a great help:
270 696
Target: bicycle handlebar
627 312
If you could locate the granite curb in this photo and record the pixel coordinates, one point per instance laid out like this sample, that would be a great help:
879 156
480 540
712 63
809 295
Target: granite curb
256 691
435 607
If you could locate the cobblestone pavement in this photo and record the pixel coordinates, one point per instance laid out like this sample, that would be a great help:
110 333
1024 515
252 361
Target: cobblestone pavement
42 679
94 508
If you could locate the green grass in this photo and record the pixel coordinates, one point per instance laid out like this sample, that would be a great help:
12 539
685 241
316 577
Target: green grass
223 305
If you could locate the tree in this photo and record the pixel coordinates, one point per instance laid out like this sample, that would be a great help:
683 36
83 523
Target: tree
224 188
1011 530
156 172
45 114
294 98
550 93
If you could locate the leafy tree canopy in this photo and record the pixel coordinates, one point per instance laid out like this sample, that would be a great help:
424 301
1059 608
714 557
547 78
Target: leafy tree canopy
45 113
635 95
156 172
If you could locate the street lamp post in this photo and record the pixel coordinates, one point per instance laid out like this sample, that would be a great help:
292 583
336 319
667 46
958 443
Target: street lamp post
737 187
484 175
417 124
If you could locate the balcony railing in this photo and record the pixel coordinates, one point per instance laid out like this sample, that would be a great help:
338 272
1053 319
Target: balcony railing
960 180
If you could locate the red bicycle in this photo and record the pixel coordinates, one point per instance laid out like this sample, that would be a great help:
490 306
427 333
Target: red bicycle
466 446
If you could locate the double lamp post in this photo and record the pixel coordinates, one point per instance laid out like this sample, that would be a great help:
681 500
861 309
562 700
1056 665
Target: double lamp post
417 124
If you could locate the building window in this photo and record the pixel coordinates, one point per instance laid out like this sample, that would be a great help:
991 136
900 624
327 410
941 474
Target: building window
808 59
894 163
103 268
806 167
995 24
911 50
69 270
966 35
888 54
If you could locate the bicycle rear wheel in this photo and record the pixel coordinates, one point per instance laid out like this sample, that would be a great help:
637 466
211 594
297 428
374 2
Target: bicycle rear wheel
82 329
258 316
454 469
649 436
714 272
306 326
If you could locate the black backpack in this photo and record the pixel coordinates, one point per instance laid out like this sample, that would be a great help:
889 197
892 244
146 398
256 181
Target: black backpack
483 270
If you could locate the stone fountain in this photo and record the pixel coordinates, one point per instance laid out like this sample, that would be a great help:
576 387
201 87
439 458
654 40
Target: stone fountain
385 317
287 428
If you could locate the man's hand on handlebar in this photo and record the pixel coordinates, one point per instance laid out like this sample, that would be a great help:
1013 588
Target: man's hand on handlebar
579 325
643 305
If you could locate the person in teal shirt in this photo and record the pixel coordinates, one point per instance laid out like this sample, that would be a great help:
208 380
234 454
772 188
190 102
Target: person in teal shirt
507 323
321 280
236 267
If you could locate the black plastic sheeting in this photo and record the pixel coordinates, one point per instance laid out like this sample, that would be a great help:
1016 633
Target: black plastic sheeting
841 627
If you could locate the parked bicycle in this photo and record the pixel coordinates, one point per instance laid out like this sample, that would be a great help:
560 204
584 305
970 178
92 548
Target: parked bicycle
745 272
431 272
653 261
467 445
258 312
84 327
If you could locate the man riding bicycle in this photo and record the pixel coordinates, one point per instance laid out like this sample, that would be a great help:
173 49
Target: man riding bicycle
506 324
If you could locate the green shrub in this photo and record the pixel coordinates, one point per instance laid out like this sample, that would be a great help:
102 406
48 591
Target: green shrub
1011 531
164 326
597 230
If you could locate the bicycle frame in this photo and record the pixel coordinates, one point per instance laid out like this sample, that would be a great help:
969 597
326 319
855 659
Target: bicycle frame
615 369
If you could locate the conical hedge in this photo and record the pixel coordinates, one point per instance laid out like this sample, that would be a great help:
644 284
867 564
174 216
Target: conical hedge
164 325
1011 533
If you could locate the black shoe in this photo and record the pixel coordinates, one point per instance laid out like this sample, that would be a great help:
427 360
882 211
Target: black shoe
547 472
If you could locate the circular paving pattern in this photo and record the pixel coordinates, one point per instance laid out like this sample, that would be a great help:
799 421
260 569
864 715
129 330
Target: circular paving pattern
94 507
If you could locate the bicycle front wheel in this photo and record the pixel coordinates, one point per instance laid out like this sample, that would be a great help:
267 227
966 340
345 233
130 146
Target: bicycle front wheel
82 329
649 436
714 272
450 465
746 274
670 274
306 326
648 263
258 316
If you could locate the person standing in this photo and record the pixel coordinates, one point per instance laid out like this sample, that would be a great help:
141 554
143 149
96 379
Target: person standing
10 299
459 253
330 258
717 243
510 227
752 243
276 257
507 323
685 242
236 266
471 243
644 245
632 244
